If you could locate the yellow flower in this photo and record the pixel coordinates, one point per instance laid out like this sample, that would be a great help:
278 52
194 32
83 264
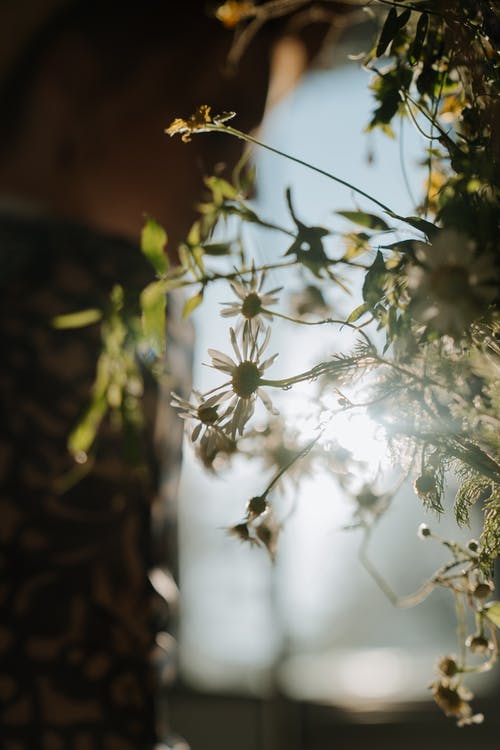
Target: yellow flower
197 122
232 12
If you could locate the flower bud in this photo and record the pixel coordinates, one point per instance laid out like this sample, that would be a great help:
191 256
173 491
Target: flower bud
447 666
482 590
425 483
256 506
423 531
478 644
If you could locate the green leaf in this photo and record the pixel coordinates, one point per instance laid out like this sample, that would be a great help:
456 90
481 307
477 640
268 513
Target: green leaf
244 213
418 41
421 224
492 612
153 303
365 220
405 247
77 319
217 248
389 31
356 244
83 435
373 285
153 243
221 189
358 312
393 24
191 304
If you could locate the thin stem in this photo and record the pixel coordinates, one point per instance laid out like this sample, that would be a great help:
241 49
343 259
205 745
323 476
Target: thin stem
405 6
461 629
250 139
209 278
300 454
402 162
400 602
300 321
315 372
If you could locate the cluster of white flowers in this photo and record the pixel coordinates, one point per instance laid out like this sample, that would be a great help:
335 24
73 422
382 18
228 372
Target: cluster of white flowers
221 414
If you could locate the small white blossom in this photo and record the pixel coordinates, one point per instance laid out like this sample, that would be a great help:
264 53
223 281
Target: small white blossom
252 304
208 430
246 375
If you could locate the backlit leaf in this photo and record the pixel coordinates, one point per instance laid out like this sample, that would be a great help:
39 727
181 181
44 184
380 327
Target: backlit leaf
153 304
191 304
153 243
83 435
492 611
373 286
370 221
358 312
418 41
77 319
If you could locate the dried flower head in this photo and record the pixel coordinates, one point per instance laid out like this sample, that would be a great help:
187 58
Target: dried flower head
447 666
242 532
256 507
232 12
453 700
478 644
483 590
208 431
197 122
267 533
425 484
423 531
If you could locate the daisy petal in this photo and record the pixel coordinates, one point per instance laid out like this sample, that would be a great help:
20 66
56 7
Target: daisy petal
235 345
264 397
269 361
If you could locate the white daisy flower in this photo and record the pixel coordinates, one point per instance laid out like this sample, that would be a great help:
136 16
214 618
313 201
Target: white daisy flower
453 286
252 304
246 376
206 412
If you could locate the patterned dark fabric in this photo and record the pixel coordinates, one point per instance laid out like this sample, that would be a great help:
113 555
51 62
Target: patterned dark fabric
78 614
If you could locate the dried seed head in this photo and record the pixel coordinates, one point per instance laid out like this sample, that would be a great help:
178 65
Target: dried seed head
478 644
425 483
256 506
447 666
423 531
482 591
